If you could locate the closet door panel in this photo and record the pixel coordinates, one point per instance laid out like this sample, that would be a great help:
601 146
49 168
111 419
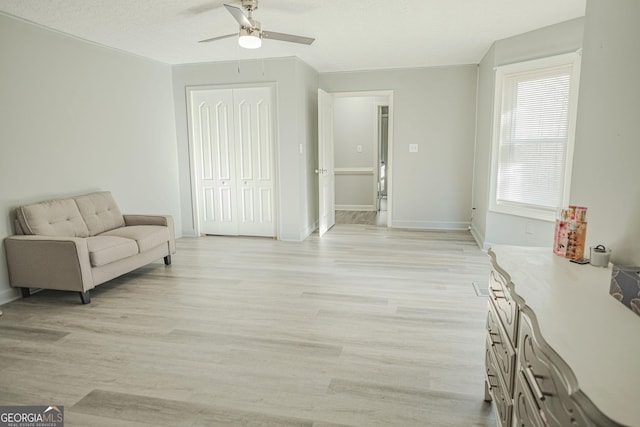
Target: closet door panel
254 161
213 140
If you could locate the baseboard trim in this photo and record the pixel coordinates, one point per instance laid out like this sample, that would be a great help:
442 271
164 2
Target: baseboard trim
188 233
309 230
8 295
299 237
365 208
478 238
431 225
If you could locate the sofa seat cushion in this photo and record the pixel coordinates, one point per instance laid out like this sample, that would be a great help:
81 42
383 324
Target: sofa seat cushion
146 236
59 218
107 249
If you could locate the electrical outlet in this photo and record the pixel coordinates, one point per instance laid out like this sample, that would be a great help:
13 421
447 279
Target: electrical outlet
413 148
359 148
528 228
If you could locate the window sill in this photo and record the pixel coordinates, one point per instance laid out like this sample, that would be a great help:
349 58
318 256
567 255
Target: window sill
524 212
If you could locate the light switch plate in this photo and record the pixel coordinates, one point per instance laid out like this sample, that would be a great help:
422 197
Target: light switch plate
413 148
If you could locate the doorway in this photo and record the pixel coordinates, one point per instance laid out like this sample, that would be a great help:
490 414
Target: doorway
363 141
231 132
383 154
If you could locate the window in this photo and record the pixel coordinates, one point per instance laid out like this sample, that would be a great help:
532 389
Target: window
534 124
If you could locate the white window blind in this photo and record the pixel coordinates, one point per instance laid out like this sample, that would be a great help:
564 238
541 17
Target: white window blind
535 128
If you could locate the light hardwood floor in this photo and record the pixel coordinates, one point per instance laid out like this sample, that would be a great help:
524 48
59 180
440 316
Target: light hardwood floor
366 326
357 217
362 217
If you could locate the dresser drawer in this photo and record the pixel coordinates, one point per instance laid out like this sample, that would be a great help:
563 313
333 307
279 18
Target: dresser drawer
506 307
501 398
525 411
548 379
500 345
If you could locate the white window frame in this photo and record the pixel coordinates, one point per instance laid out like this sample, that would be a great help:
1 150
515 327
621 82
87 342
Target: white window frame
501 73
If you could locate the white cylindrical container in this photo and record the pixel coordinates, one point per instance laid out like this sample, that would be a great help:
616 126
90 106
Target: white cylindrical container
600 256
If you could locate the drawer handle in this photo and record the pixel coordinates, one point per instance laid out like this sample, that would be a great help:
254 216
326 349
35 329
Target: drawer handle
497 297
531 379
489 383
494 334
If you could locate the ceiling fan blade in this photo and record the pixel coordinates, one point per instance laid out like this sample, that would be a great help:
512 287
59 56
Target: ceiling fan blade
286 37
205 7
238 14
218 38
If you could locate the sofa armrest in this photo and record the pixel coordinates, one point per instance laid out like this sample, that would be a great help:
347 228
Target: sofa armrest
148 220
48 262
164 220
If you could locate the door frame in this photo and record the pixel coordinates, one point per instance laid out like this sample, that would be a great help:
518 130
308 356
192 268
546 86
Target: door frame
326 177
378 125
389 167
193 168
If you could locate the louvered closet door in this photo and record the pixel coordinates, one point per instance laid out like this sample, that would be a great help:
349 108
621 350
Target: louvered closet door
232 134
254 161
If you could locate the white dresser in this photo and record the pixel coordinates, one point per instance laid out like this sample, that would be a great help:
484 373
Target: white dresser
560 350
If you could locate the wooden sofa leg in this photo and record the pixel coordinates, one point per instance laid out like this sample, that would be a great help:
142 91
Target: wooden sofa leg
25 292
85 297
167 260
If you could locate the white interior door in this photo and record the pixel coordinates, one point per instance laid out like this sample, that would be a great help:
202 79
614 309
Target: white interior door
325 171
254 161
214 157
232 132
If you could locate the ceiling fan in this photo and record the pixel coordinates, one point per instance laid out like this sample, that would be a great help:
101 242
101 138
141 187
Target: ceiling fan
251 33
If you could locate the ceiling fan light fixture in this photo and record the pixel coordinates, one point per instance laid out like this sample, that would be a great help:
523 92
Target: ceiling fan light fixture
250 34
249 39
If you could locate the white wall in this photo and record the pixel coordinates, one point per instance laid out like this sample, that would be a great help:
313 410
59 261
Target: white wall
77 117
356 124
434 108
296 124
492 227
607 152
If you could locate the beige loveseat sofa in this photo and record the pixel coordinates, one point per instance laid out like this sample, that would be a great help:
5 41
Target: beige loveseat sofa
78 243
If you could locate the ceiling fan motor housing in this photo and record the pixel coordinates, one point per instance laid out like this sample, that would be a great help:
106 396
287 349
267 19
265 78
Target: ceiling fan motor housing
249 5
255 25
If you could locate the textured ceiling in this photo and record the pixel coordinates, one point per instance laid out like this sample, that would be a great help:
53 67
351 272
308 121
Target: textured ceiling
350 34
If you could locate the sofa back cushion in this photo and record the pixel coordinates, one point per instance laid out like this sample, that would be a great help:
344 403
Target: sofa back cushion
100 212
52 218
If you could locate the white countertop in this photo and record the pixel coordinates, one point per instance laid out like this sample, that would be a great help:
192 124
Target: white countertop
597 336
